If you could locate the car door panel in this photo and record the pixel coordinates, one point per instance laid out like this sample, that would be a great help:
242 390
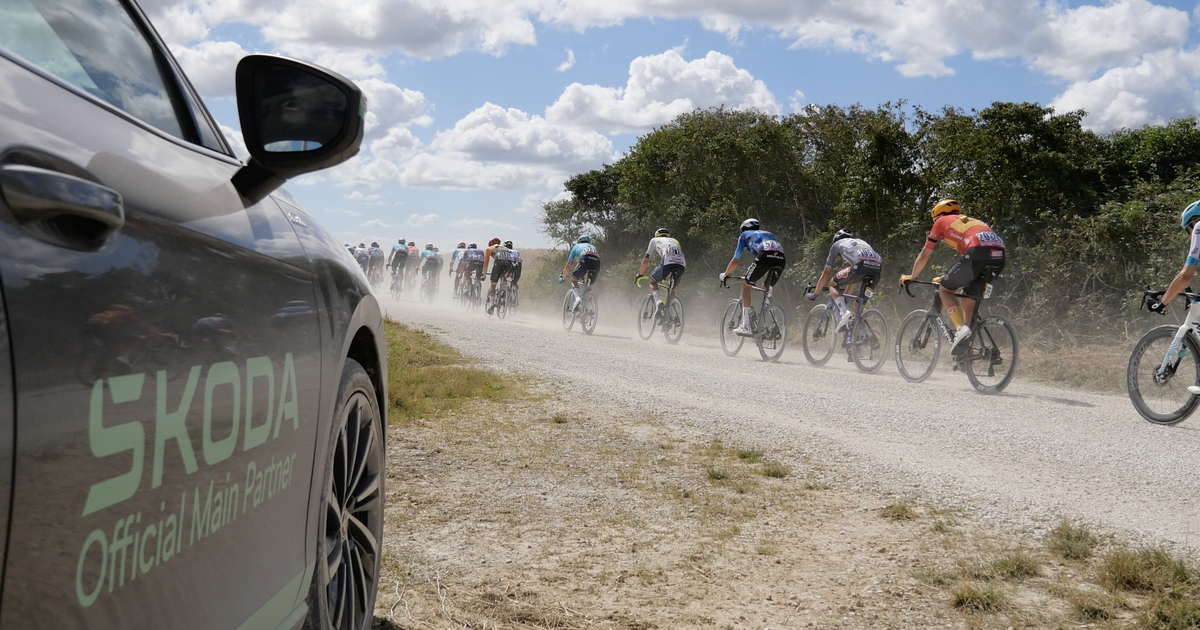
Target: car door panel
166 384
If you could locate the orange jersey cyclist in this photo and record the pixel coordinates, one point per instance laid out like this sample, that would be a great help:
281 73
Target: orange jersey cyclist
768 265
980 251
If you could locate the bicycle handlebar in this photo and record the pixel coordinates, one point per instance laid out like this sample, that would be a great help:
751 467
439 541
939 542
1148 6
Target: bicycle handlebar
905 287
1149 295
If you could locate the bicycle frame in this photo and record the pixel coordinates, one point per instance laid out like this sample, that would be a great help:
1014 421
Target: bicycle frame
860 305
935 308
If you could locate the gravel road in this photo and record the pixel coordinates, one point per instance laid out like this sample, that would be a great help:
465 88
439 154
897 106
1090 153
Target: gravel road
1025 458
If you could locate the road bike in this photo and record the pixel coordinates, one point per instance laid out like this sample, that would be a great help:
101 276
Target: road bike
584 308
1165 361
666 313
768 329
429 286
375 271
397 286
504 296
473 291
989 356
865 339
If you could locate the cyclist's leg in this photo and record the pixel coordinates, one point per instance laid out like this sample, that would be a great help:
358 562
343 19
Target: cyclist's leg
959 276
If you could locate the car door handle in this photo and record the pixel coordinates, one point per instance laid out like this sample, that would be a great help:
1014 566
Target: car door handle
60 208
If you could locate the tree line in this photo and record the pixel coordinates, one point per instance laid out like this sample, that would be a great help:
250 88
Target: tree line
1089 218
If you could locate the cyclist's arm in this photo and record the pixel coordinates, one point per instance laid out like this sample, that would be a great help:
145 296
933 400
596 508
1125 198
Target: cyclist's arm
1182 279
645 263
921 261
733 263
828 271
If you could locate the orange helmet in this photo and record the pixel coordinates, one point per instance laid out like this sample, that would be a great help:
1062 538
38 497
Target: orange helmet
945 206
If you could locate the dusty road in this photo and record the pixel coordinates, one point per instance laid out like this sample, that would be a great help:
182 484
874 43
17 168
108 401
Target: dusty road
1025 458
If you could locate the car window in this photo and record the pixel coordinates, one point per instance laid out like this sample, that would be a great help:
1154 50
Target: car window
96 46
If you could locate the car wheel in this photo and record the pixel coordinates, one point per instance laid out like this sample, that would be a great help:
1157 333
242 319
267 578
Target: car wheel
350 529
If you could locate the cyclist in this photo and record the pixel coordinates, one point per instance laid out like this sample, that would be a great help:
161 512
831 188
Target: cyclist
587 263
398 259
980 250
497 254
767 266
1182 279
360 256
471 264
671 261
455 260
414 259
864 266
515 257
375 261
431 262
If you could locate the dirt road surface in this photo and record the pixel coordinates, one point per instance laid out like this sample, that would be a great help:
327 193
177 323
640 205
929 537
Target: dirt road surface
1023 459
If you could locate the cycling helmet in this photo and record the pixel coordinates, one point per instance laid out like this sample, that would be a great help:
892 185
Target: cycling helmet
472 246
584 239
412 243
1189 213
494 241
508 244
751 224
436 249
401 241
662 231
428 245
374 243
945 206
462 245
841 234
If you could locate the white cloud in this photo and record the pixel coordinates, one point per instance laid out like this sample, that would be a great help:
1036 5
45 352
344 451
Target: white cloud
210 66
236 142
359 196
349 213
421 220
482 223
380 224
661 87
569 63
458 173
389 106
1164 85
796 101
398 144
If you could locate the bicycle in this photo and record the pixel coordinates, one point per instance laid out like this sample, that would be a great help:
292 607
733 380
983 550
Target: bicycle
397 286
865 339
770 335
375 272
989 356
429 286
586 308
667 313
1166 376
503 296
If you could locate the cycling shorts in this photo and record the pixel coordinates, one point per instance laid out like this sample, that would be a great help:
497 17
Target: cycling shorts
973 269
473 268
768 265
516 272
499 268
666 271
587 265
431 266
866 271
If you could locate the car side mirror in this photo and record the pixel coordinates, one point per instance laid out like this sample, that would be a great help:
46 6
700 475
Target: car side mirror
296 118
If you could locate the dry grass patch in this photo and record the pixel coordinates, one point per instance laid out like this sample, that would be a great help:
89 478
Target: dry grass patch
978 598
899 512
1092 366
1072 542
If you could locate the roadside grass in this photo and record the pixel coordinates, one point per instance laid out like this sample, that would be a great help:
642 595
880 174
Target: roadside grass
427 378
1092 367
901 511
1071 542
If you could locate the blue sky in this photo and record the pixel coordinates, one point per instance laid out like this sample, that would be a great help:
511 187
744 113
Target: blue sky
481 108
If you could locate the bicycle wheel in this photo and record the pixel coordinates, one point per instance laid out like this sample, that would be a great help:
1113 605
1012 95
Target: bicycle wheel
730 342
395 288
1161 395
869 341
501 302
773 337
646 319
917 346
818 336
568 312
673 320
589 312
993 355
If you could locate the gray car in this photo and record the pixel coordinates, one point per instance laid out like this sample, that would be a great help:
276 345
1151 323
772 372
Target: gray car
192 377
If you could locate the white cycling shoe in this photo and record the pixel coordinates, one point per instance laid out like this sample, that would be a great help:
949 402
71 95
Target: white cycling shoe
1194 389
844 322
743 331
962 335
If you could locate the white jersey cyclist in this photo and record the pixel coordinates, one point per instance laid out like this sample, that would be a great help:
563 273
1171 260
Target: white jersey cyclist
864 265
1190 221
671 261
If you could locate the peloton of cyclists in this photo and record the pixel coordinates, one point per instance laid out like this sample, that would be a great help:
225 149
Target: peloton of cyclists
586 261
979 249
768 266
671 262
864 266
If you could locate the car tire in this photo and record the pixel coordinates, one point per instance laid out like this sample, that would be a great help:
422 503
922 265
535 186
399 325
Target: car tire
349 536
